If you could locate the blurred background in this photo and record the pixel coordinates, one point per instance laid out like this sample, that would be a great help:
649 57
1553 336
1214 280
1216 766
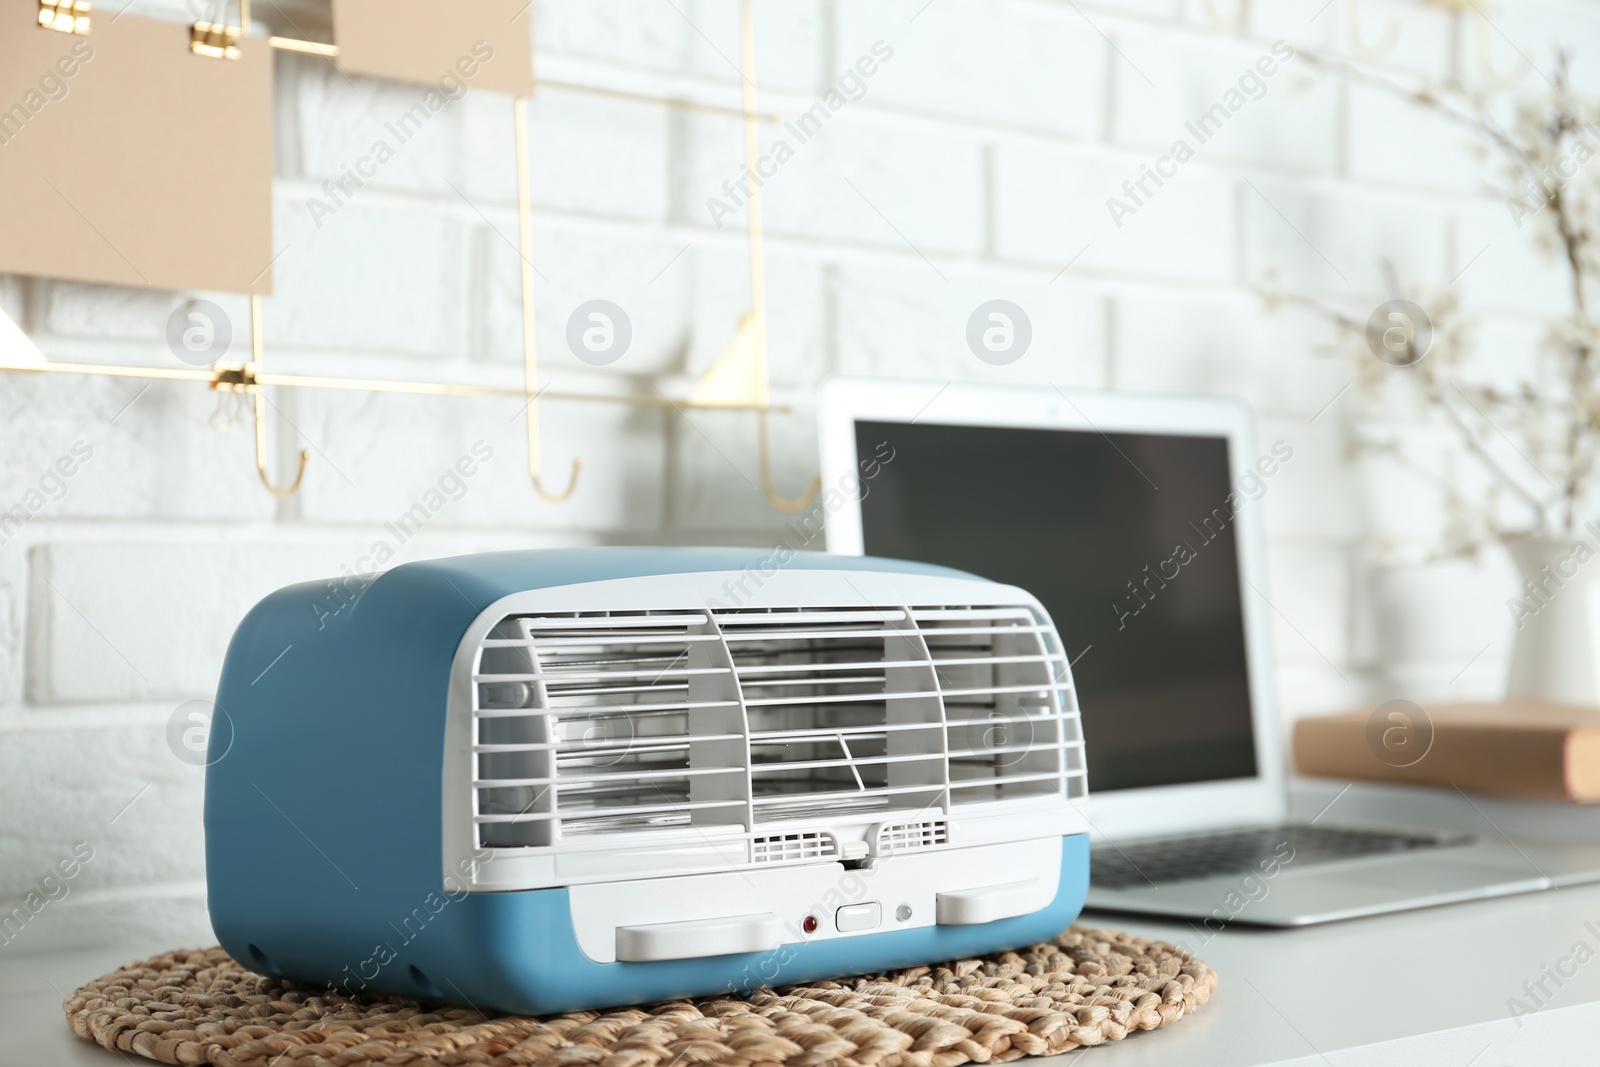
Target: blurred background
995 150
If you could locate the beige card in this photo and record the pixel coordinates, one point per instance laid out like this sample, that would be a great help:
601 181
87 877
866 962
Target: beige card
127 160
443 44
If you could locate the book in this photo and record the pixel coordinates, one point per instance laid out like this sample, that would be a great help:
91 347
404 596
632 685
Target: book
1517 749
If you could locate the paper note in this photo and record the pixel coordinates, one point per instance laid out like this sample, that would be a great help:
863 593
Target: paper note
127 160
472 44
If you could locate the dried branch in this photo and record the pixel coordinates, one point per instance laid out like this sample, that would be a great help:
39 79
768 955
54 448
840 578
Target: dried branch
1559 419
1445 102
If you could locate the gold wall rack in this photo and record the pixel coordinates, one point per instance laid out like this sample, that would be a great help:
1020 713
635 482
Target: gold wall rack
331 51
738 380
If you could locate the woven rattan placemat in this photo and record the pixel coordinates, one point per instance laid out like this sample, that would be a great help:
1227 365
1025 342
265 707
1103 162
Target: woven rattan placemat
1087 987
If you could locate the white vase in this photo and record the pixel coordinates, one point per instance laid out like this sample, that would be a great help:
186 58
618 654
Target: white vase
1555 654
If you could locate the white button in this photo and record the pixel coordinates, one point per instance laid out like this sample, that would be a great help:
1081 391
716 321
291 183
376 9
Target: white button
853 917
699 937
973 906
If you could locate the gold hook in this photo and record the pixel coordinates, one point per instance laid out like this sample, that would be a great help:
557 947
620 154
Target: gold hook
261 453
1227 22
261 409
758 273
1358 45
530 339
770 491
1486 58
534 463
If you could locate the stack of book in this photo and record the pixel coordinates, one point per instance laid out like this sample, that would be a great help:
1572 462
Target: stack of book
1542 751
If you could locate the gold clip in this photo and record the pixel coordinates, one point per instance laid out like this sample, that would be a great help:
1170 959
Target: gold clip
68 16
215 40
233 377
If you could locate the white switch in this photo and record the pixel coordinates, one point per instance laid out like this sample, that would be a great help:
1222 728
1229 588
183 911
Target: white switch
853 917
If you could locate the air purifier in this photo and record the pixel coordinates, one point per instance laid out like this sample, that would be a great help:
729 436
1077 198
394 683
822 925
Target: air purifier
549 780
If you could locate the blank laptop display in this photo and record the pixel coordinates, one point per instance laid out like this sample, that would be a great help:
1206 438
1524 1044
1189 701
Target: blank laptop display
1128 541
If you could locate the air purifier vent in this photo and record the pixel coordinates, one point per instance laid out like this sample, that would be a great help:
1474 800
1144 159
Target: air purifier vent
906 836
801 845
842 714
1010 713
591 724
605 723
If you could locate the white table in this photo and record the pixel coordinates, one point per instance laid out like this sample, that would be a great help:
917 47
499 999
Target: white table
1422 989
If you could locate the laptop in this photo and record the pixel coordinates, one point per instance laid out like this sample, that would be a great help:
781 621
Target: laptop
1136 520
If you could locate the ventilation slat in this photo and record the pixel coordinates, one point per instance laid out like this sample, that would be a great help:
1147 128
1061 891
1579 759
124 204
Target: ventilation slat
762 618
592 710
630 745
503 783
844 763
561 676
846 794
650 689
644 809
979 631
995 719
836 698
800 668
543 641
800 635
988 752
1016 779
1052 687
922 615
989 661
752 685
822 733
617 623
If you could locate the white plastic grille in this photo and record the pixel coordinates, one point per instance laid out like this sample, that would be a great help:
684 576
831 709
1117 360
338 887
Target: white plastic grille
604 723
801 845
907 836
841 712
1010 711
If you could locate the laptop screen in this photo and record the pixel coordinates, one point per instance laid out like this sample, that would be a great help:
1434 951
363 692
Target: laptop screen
1127 540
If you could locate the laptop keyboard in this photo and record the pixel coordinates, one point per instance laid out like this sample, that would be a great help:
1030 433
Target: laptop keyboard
1257 851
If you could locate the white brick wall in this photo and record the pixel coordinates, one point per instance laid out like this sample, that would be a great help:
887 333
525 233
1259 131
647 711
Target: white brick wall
907 321
1050 209
1033 66
1334 240
976 163
1168 80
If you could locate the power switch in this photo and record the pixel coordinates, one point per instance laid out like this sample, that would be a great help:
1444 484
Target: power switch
854 917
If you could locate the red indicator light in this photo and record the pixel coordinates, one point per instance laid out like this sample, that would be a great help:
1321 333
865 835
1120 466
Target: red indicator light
810 925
